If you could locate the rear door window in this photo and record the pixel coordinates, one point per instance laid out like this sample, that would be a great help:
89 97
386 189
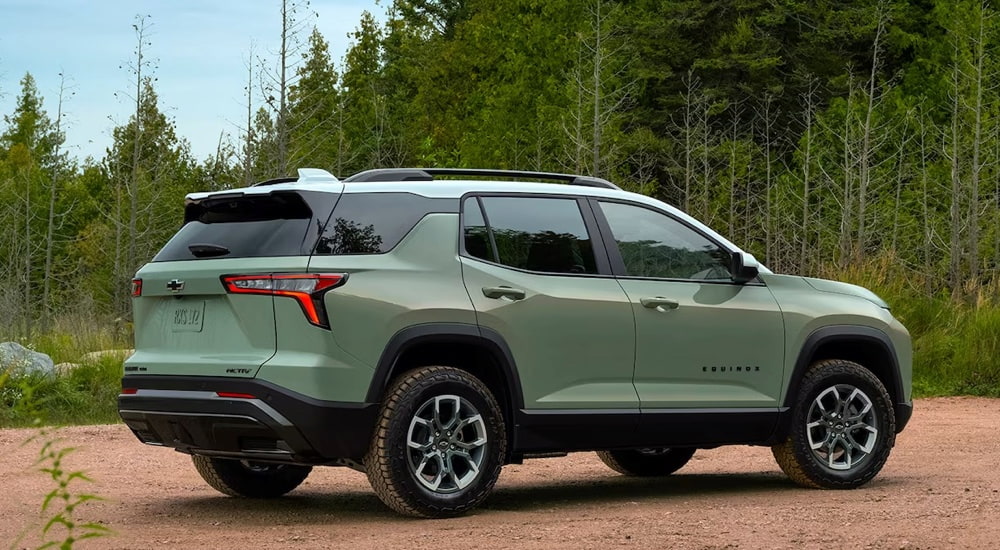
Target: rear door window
541 234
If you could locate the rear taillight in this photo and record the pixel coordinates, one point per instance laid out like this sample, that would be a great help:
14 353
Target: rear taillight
136 287
130 391
307 289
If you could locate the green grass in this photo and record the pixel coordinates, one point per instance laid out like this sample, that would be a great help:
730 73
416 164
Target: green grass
85 395
956 335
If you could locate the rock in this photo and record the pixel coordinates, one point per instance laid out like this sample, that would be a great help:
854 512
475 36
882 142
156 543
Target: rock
20 360
95 356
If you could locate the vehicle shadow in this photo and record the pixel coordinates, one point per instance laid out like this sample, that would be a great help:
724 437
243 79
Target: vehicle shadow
624 488
353 506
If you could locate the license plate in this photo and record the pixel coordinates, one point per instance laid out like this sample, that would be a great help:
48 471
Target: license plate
187 317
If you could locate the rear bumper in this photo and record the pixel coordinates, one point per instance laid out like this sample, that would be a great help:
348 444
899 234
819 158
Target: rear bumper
269 423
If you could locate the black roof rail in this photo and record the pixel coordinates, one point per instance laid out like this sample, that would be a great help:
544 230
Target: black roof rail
427 174
392 174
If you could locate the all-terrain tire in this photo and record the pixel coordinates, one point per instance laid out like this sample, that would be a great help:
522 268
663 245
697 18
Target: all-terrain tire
647 462
242 478
438 445
843 427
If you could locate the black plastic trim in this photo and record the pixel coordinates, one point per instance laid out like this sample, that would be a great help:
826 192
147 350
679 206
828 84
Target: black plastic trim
319 431
445 333
575 430
596 429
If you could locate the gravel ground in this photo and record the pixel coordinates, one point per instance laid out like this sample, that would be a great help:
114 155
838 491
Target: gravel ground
940 489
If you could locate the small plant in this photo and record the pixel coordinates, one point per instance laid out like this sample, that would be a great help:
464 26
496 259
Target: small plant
62 501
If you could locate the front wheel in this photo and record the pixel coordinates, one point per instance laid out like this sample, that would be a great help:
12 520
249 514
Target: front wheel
647 462
247 478
843 427
439 443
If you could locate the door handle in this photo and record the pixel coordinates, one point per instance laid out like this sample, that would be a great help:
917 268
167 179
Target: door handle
503 291
658 302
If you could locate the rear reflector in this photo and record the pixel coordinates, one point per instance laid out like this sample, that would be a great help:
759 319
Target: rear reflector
235 395
306 288
136 287
129 391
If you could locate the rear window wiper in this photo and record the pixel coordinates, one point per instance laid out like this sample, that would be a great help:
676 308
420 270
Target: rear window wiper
207 250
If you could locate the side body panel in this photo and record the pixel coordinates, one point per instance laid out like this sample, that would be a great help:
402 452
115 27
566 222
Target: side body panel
419 282
807 310
572 338
721 347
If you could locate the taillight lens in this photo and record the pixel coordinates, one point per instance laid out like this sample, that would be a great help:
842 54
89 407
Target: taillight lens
136 287
306 288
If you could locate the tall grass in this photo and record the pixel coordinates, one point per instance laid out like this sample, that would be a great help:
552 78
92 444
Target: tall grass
956 332
86 394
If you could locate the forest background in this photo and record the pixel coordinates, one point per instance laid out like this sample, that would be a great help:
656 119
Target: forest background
856 141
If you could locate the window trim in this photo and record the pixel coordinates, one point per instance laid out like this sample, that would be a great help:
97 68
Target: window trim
601 257
615 255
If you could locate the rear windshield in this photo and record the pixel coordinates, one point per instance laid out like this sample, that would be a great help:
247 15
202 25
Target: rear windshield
278 224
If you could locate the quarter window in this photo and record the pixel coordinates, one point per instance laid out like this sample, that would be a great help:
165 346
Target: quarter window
530 233
656 245
374 223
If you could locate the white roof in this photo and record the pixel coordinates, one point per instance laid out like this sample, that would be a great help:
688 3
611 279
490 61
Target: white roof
321 180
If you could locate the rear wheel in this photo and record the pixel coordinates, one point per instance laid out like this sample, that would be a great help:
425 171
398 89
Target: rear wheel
647 462
843 427
439 444
247 478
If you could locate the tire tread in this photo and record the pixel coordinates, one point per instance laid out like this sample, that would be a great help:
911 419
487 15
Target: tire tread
401 497
793 454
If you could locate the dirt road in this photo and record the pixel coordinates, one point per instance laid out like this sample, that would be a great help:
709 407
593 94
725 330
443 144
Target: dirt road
941 488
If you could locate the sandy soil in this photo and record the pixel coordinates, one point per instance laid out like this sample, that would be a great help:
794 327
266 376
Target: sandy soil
940 489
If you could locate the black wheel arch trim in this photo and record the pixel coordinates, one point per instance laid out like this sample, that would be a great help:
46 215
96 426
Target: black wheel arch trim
848 333
446 333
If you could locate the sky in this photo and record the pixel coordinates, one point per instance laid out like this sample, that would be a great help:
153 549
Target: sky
200 47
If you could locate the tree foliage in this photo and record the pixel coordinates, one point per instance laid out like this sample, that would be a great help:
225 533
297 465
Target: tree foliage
818 135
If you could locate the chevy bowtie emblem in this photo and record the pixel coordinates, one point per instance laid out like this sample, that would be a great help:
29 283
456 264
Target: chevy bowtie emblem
175 285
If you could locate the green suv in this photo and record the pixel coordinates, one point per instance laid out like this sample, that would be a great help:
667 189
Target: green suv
428 326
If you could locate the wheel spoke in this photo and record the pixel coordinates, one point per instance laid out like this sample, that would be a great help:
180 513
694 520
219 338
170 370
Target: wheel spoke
435 482
446 444
413 440
840 427
419 446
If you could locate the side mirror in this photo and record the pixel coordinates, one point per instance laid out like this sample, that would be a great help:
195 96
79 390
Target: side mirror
745 268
